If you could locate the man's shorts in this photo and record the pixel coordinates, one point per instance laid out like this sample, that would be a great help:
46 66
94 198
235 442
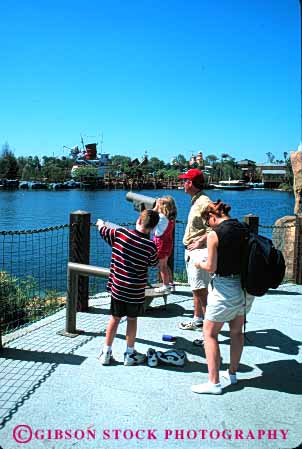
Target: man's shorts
197 278
226 299
120 309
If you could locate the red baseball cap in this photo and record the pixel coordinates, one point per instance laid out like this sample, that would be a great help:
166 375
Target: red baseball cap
191 174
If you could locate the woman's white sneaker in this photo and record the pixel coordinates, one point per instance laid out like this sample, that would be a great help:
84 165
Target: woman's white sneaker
207 388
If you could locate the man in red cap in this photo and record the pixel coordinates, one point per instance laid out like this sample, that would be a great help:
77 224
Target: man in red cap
195 237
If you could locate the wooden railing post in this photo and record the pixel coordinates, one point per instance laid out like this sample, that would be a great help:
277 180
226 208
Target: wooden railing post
252 221
79 248
298 251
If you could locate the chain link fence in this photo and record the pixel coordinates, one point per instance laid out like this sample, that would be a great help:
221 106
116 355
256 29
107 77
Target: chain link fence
32 274
33 267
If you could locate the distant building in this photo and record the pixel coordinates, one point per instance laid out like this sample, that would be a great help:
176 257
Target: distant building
246 164
192 161
272 175
270 166
273 178
199 158
248 169
196 161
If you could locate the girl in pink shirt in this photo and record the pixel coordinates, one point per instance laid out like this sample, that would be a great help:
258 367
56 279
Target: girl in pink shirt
163 239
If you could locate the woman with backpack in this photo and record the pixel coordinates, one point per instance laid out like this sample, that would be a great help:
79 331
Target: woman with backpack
226 298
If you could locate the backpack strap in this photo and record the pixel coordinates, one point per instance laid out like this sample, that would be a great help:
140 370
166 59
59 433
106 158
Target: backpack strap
244 324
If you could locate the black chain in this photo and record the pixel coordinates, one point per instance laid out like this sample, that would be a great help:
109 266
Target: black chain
277 227
56 228
34 231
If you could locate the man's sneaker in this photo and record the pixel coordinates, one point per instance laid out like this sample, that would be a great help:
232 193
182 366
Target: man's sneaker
134 359
172 287
191 325
164 289
105 358
152 359
231 378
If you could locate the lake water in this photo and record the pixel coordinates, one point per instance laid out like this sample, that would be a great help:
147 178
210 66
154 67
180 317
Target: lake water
40 209
44 255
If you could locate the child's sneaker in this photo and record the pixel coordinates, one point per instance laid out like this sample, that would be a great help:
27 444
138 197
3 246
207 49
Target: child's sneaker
105 358
152 359
134 359
164 289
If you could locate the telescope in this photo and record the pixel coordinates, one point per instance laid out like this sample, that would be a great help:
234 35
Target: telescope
141 202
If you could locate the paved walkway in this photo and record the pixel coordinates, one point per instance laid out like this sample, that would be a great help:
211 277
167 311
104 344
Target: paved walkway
55 387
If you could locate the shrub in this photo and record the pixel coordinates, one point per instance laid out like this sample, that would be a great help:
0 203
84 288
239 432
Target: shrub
19 303
13 299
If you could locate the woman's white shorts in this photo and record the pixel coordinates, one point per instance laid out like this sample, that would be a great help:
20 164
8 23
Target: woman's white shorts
226 299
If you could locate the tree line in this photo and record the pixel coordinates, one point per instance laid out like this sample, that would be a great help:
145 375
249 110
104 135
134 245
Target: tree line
54 169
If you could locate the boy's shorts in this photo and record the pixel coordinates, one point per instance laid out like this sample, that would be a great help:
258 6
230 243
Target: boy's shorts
197 278
120 309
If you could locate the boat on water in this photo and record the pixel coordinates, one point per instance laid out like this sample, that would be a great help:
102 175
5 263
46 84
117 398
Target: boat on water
89 158
256 185
231 184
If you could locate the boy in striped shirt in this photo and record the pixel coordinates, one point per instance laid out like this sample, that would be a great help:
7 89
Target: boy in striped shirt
132 253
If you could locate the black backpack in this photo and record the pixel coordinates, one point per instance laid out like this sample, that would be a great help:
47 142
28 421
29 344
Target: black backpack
264 265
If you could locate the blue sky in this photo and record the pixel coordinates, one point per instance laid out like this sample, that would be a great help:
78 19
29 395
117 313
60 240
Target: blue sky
167 76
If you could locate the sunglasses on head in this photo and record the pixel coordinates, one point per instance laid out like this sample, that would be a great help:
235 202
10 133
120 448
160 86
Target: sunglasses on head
207 219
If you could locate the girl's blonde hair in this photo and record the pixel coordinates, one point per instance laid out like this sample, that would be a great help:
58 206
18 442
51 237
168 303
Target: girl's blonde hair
168 207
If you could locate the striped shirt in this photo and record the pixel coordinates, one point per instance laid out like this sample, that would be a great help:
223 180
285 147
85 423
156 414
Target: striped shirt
132 253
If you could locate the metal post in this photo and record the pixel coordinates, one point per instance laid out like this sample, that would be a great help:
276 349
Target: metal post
79 247
252 221
71 305
74 272
298 251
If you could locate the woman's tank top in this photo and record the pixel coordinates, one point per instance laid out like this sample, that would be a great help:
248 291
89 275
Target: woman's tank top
231 238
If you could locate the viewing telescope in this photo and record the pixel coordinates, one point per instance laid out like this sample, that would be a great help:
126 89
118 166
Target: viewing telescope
141 202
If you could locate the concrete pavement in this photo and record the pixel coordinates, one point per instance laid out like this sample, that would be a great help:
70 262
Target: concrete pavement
56 389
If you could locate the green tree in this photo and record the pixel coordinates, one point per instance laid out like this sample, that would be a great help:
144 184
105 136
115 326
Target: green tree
8 163
81 173
211 159
120 163
28 172
181 160
270 157
155 164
